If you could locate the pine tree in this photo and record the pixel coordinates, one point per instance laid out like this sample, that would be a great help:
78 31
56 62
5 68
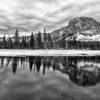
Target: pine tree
16 43
4 42
16 36
39 40
32 41
23 42
49 41
9 43
45 40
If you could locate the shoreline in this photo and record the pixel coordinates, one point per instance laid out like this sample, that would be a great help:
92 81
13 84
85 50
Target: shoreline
51 52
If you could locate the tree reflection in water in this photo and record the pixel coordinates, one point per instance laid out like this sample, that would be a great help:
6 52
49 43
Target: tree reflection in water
15 64
8 61
47 62
31 62
37 63
2 60
83 71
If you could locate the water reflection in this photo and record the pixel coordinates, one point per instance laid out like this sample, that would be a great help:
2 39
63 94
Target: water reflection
82 71
31 62
14 64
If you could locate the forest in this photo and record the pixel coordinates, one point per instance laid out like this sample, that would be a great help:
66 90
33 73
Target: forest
45 41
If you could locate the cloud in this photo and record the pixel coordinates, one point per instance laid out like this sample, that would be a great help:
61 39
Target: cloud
34 15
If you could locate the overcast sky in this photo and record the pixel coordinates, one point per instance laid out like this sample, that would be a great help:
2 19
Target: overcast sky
33 15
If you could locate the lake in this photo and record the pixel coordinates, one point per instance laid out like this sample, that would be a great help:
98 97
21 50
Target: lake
50 78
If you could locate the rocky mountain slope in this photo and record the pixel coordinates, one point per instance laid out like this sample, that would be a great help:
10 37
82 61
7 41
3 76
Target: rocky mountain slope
79 28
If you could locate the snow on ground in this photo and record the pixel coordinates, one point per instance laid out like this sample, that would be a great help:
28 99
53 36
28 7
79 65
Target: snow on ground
15 52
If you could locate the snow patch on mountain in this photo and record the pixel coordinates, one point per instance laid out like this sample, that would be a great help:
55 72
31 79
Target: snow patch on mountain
81 37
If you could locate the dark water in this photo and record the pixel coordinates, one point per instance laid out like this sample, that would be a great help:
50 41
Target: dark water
50 78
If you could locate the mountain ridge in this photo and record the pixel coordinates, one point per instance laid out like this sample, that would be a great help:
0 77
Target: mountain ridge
79 28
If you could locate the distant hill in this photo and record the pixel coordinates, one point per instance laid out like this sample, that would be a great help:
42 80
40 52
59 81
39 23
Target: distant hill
79 28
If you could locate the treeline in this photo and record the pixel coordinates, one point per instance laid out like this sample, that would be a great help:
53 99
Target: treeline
45 41
91 45
35 41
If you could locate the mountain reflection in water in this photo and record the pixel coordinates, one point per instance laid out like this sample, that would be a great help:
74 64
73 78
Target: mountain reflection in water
52 78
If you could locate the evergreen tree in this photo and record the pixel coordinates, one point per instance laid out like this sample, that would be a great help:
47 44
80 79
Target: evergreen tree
63 43
4 42
23 42
9 43
32 41
45 40
16 42
39 40
16 36
49 41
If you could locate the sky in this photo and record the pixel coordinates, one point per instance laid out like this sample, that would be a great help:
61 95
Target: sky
33 15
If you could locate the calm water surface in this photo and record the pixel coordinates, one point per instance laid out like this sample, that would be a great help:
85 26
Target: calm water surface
50 78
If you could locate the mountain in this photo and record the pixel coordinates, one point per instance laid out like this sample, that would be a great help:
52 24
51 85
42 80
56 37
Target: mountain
80 29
